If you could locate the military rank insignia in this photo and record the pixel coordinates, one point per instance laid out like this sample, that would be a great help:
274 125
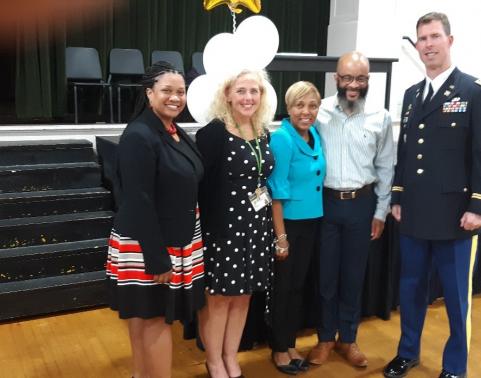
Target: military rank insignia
455 106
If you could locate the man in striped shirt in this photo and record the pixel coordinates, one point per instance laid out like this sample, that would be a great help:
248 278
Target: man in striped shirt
359 149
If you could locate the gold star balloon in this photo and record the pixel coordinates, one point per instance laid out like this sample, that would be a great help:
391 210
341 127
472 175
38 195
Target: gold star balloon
253 5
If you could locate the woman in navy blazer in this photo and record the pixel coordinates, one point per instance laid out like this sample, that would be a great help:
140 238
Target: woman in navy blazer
155 261
296 187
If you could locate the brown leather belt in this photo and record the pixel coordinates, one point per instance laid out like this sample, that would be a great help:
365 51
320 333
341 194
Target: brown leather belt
348 194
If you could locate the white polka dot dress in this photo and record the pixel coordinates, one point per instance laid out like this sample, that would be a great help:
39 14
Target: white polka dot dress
241 262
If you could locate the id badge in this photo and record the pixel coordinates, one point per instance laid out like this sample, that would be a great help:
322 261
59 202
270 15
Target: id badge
260 198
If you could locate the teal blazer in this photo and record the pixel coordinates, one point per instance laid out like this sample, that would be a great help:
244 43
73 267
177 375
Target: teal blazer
298 173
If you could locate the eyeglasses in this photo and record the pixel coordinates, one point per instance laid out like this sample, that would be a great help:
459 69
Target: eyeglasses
348 79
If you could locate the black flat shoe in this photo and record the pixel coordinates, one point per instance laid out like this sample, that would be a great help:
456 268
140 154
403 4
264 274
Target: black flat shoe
286 369
399 367
300 364
446 374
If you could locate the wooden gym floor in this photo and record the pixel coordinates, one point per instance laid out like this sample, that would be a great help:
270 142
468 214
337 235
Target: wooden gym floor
95 344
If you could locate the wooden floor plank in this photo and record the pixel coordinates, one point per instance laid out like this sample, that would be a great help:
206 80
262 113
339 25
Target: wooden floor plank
95 344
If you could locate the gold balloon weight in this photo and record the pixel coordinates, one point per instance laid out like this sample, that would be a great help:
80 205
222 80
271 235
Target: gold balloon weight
252 5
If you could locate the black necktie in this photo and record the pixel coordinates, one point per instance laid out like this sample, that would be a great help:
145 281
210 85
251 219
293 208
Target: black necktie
430 94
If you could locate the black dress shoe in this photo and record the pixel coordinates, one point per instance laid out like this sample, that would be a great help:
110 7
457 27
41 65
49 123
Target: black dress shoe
300 364
446 374
399 367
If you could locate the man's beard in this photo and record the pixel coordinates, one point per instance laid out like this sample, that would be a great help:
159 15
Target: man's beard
351 105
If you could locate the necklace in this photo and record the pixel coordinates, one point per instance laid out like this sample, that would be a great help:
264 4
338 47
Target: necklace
171 129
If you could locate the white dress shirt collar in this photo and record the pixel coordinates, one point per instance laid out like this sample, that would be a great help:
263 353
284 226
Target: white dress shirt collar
438 81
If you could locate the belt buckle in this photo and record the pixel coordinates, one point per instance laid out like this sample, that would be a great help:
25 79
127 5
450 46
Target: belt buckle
348 195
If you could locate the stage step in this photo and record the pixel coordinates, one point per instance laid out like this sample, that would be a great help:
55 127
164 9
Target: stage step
50 202
52 294
45 152
51 229
41 177
40 261
55 220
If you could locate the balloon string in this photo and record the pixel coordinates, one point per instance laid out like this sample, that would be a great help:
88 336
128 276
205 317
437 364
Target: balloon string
233 19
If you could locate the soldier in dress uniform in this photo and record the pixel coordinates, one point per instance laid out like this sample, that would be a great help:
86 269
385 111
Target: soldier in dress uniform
436 197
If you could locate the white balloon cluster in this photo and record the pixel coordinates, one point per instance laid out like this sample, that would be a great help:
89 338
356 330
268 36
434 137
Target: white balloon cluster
251 47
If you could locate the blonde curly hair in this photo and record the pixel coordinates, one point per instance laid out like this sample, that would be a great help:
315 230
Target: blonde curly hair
222 110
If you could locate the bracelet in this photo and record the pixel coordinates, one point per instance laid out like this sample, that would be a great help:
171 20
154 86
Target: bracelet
281 250
280 237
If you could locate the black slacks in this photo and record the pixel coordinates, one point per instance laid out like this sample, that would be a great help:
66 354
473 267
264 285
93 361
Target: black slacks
289 279
345 240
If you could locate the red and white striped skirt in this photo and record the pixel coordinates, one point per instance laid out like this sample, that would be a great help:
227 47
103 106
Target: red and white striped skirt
134 293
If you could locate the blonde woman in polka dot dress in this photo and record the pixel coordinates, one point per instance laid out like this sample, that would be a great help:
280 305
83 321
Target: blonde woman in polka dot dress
236 215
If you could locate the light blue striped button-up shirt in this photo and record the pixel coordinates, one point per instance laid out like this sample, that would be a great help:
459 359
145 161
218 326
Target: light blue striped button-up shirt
359 150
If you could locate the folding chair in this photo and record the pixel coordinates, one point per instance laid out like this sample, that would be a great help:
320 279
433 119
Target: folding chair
82 69
126 66
198 62
172 57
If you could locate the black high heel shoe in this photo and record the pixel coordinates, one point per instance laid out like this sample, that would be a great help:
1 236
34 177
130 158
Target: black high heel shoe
208 372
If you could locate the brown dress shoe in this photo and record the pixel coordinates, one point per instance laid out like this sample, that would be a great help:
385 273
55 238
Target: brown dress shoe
320 353
352 353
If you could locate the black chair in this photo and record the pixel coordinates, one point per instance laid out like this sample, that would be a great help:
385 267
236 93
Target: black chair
126 67
82 69
172 57
198 62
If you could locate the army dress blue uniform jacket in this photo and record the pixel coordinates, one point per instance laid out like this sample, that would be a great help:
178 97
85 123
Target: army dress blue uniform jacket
438 172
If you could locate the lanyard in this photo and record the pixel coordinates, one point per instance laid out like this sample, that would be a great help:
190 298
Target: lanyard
258 154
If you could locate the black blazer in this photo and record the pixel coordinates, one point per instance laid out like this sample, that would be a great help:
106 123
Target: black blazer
438 173
158 189
212 192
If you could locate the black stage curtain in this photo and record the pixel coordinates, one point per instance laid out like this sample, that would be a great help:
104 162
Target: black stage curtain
181 25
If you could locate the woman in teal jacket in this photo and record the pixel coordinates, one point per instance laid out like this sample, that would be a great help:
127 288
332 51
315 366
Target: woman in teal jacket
296 188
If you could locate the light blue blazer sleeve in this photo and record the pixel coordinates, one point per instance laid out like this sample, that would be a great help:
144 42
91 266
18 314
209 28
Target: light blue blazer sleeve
282 147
